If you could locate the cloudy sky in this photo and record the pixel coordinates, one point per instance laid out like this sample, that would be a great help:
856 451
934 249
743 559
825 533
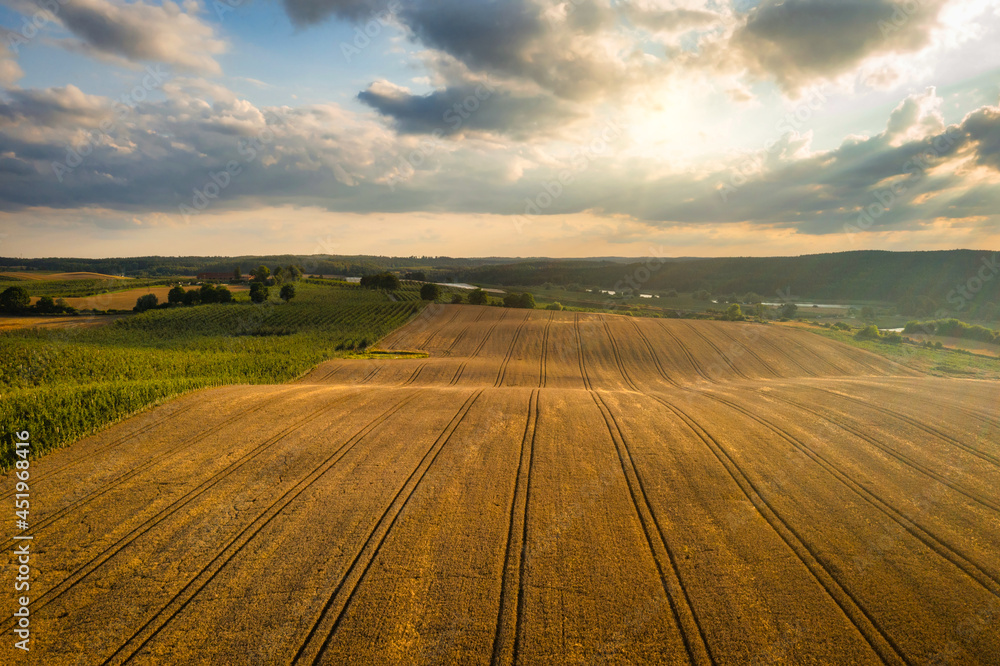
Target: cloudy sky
498 127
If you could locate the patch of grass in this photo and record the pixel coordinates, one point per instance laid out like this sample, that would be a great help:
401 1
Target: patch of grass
938 362
64 384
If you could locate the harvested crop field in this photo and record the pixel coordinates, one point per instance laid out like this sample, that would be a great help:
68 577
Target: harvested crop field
545 487
125 300
13 323
40 275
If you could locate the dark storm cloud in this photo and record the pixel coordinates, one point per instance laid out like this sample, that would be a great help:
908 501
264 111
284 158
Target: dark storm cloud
470 107
799 41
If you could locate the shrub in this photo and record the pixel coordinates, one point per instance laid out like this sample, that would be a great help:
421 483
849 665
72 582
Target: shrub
554 306
457 299
223 295
14 299
147 302
524 300
258 292
176 295
207 294
430 292
478 297
46 304
869 332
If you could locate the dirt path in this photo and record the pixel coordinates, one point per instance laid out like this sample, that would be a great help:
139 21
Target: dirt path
545 487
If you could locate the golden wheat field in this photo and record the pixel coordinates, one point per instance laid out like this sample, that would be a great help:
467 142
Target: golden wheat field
543 488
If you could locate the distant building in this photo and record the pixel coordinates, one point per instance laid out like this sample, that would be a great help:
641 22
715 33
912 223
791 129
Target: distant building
216 277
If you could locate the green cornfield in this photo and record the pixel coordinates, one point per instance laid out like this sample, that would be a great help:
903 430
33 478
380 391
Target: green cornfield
64 384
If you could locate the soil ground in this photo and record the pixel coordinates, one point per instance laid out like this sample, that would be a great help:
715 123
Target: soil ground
543 488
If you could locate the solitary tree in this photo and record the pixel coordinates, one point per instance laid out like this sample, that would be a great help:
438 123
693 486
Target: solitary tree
279 275
14 299
223 295
192 297
287 292
258 292
176 295
237 275
734 313
457 299
430 292
478 297
147 302
262 273
294 273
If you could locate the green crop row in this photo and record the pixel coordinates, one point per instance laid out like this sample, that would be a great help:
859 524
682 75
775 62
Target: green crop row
64 384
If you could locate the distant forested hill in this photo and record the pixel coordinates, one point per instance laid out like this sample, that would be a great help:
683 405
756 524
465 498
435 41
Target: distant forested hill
917 281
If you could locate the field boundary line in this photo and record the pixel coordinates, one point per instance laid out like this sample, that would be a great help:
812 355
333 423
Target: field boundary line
208 573
332 612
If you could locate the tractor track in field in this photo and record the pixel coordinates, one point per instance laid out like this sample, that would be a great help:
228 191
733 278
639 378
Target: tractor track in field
947 551
502 372
328 621
152 627
747 349
707 492
510 611
543 362
104 556
695 365
666 562
934 432
890 451
135 471
861 618
110 445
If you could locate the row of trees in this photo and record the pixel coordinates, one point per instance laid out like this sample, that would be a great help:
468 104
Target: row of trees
280 275
381 281
16 300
